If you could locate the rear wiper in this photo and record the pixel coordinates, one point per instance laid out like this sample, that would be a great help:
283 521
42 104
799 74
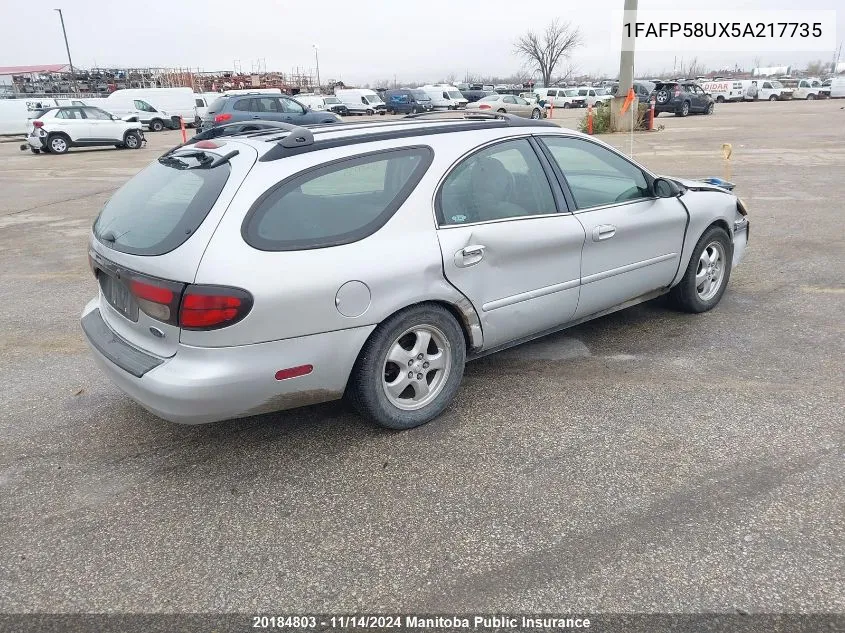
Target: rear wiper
221 159
172 161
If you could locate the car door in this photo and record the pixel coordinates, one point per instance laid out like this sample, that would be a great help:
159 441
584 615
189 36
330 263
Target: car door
766 91
292 111
101 127
633 239
510 105
523 108
72 122
508 241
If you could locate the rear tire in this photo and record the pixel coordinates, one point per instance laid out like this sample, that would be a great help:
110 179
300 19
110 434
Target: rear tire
375 371
502 111
58 143
720 99
684 109
696 293
535 114
710 109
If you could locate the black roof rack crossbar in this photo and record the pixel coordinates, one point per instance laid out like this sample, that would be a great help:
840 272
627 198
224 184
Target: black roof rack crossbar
281 151
469 115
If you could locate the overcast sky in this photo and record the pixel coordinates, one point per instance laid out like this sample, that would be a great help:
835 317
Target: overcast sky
359 42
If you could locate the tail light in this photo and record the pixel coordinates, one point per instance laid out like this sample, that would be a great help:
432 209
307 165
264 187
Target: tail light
484 107
38 123
157 298
212 307
677 91
221 118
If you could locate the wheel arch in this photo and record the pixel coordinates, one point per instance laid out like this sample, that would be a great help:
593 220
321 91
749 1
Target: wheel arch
694 233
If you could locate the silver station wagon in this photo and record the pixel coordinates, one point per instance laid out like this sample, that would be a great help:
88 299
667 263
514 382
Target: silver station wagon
267 269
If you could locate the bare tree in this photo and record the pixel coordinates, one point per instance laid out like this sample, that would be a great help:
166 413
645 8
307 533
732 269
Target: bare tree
543 51
816 68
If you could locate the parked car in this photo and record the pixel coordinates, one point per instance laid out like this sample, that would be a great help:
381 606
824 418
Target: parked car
474 95
642 89
595 97
561 97
56 130
237 276
445 96
322 103
270 107
407 101
361 101
682 98
510 104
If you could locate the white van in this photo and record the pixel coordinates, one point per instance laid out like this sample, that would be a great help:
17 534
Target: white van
561 97
837 88
809 89
157 107
361 101
724 90
202 101
445 96
772 90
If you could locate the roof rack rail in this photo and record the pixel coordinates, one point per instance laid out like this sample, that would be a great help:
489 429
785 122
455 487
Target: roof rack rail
511 120
238 128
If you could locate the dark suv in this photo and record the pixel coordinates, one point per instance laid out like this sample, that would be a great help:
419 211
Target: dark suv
682 98
265 107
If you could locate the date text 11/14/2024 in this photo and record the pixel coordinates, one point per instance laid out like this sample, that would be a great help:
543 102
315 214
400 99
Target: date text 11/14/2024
418 622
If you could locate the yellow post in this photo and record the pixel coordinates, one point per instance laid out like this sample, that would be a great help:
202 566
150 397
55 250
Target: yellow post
727 150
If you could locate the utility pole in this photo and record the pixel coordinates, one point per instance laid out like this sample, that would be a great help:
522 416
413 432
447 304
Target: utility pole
67 48
317 59
626 67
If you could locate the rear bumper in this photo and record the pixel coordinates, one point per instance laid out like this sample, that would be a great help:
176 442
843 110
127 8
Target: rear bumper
201 384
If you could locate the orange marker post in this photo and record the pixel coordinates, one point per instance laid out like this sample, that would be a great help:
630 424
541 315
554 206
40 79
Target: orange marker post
550 108
589 119
184 133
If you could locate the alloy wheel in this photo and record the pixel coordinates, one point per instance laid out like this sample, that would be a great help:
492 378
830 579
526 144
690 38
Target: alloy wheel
710 271
416 367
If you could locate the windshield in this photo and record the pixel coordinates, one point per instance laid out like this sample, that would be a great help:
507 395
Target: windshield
777 85
420 95
373 99
161 207
454 94
331 100
571 93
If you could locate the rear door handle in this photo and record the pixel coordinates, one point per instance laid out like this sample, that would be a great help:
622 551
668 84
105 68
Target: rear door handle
469 255
603 232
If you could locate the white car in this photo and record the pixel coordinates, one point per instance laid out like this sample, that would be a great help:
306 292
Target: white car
595 96
58 129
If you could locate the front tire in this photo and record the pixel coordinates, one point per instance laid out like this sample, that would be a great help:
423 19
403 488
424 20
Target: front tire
34 151
132 140
707 274
773 98
409 369
156 125
811 97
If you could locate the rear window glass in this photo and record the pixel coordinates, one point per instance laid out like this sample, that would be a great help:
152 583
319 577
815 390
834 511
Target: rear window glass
161 207
217 105
337 203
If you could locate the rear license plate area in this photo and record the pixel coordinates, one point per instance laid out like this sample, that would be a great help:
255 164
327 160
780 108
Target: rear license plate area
118 296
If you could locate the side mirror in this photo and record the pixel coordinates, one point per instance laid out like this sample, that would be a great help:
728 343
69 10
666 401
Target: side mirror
664 188
115 118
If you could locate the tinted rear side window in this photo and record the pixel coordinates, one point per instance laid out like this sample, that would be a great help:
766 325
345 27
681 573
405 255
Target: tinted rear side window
337 203
161 207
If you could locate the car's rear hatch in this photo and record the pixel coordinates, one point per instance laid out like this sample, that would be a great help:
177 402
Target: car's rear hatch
148 240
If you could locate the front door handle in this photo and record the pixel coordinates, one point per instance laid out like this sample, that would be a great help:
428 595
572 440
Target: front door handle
603 232
469 255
